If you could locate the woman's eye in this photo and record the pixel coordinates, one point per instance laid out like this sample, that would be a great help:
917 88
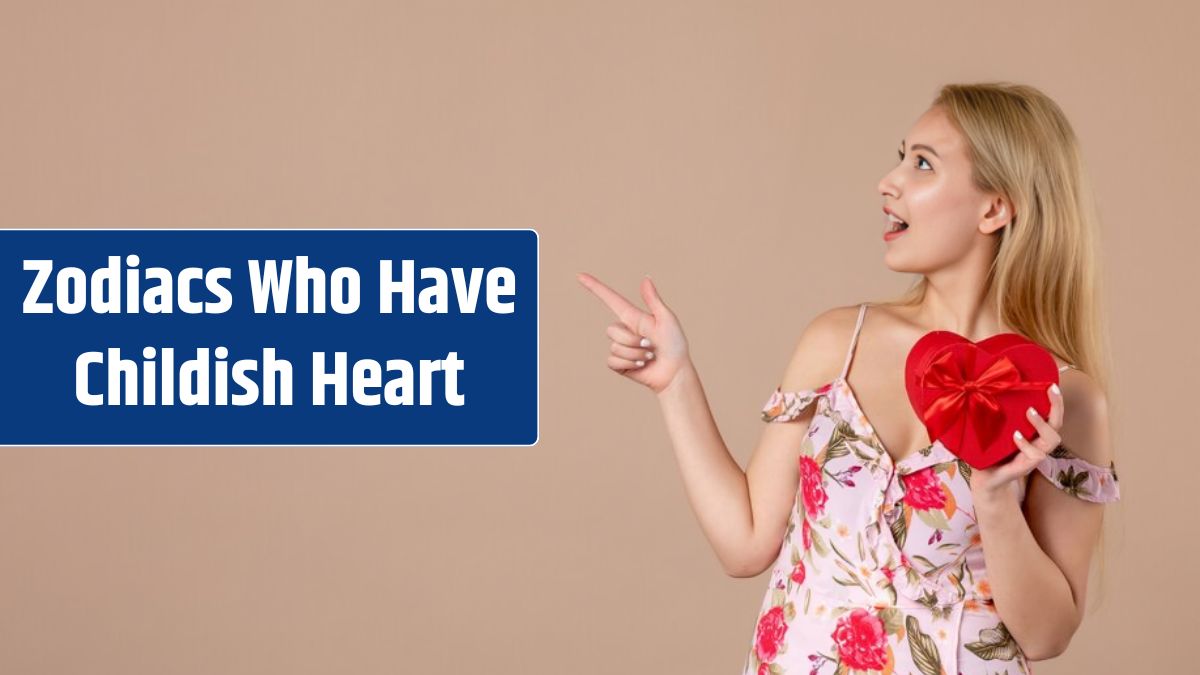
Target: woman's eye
920 159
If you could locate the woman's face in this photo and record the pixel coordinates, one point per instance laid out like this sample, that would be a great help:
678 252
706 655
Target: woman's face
931 189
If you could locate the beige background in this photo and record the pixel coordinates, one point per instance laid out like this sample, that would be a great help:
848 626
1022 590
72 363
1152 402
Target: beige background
732 150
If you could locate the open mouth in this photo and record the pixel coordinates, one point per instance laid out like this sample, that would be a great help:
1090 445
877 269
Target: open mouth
895 224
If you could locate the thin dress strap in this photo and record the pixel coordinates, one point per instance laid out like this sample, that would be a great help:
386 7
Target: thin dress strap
862 310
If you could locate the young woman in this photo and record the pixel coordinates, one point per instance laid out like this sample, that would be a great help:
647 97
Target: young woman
887 553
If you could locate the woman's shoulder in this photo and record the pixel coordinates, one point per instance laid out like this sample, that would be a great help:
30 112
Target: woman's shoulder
817 352
1085 427
830 331
834 320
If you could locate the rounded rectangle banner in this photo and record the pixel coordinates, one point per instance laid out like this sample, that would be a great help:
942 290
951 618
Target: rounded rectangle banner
270 337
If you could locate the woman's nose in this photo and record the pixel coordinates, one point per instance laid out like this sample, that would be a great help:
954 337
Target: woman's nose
887 186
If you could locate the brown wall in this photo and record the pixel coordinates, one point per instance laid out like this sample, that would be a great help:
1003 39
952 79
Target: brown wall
732 150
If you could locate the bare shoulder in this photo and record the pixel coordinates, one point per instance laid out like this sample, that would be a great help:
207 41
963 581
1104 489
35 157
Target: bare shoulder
1085 427
817 357
892 313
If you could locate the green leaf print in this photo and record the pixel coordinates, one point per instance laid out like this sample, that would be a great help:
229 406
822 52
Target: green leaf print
836 451
836 445
778 597
964 567
849 565
844 434
936 609
900 530
956 579
892 619
1073 482
842 431
935 519
965 470
857 580
818 542
930 566
995 644
924 651
839 553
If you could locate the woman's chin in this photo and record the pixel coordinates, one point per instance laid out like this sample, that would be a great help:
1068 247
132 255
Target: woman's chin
899 266
889 259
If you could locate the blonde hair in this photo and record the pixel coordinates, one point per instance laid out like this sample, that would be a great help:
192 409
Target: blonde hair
1045 275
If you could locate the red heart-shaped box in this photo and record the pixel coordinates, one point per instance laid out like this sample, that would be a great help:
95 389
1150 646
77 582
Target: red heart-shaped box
972 395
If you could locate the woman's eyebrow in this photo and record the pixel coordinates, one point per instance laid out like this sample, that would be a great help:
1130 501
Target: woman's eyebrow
920 146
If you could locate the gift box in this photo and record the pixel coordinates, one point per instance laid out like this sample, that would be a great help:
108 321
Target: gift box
972 396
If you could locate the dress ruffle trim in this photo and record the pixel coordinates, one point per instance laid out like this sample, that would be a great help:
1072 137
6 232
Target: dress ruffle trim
1080 477
785 406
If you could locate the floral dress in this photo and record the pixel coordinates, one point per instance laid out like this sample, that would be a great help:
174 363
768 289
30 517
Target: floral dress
881 568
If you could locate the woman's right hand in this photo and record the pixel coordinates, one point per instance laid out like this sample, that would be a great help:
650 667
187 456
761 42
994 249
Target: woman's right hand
664 357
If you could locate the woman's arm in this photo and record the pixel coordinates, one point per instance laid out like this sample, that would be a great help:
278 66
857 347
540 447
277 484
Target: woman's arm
744 515
1038 556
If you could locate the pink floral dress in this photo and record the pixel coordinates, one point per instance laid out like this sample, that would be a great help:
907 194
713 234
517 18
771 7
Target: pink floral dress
881 569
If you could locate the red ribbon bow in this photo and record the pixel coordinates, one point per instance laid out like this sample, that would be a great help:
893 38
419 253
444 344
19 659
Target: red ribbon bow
954 397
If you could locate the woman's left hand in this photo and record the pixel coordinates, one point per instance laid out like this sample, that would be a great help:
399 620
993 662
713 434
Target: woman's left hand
999 481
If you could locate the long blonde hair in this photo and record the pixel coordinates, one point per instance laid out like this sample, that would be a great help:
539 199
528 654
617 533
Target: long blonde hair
1045 276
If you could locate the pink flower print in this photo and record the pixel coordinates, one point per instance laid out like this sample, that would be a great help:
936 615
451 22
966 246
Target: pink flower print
923 490
813 490
861 640
798 572
806 535
771 630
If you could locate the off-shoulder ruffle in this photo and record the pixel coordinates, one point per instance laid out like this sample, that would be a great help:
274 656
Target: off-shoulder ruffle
1081 478
785 406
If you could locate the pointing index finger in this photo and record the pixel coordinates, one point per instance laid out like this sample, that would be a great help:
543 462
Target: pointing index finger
622 308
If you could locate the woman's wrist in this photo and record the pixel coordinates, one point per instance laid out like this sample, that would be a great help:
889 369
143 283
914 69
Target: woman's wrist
679 381
996 499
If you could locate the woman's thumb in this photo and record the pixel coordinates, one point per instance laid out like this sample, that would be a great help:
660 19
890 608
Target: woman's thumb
650 295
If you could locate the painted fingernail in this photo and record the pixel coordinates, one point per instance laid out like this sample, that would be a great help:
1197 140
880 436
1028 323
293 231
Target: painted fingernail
1054 388
649 355
1017 435
645 342
1031 412
640 363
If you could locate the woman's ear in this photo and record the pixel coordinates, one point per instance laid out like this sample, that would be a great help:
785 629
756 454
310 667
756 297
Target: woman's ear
998 216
